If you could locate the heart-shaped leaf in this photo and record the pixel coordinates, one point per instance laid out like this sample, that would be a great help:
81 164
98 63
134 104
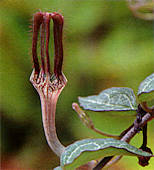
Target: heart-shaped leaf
112 99
86 150
146 89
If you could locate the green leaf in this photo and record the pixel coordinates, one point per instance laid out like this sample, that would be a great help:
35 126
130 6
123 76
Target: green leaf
112 99
146 89
86 150
58 168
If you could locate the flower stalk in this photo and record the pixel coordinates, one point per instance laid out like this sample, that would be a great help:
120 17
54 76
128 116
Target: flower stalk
88 122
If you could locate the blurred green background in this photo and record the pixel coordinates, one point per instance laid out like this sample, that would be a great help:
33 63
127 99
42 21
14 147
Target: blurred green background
104 46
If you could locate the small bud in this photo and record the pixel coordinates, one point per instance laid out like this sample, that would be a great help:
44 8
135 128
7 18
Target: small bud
144 161
83 117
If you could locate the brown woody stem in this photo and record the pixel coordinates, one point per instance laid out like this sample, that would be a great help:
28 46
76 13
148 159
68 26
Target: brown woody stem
130 133
103 162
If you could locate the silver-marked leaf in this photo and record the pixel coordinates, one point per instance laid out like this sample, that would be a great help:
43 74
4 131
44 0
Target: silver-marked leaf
86 150
146 89
58 168
112 99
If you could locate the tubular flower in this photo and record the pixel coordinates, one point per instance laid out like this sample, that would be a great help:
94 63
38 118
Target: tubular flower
48 86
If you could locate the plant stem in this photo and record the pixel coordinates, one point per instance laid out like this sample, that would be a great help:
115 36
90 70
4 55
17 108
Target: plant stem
144 131
130 134
88 122
105 134
103 162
